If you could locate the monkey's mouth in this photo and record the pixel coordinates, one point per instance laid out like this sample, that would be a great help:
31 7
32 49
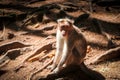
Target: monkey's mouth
65 29
63 32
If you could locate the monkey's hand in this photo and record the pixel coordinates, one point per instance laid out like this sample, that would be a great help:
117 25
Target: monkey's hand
51 67
55 70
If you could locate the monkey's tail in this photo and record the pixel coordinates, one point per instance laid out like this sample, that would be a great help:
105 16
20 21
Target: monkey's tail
92 74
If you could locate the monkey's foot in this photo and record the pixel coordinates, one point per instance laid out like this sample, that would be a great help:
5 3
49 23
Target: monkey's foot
51 67
56 70
53 70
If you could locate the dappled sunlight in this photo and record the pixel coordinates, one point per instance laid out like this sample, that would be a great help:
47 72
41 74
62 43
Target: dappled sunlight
28 39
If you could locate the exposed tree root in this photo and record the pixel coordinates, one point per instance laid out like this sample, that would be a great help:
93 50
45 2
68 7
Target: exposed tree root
11 51
49 55
41 56
37 71
36 54
6 61
11 45
108 55
15 6
46 47
36 57
10 54
32 19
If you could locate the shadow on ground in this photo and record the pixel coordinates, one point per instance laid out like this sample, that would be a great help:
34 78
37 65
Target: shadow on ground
75 72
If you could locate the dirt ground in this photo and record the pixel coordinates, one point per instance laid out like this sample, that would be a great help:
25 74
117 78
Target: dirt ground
22 48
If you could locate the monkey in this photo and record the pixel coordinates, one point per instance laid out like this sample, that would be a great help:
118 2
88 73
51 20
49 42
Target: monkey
71 45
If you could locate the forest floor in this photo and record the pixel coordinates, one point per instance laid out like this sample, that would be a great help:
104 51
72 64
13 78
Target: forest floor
23 47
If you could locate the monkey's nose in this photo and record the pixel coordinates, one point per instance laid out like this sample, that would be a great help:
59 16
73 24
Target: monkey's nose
66 26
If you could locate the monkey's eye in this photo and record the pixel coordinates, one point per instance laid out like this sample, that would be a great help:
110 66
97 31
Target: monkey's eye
62 21
70 23
63 27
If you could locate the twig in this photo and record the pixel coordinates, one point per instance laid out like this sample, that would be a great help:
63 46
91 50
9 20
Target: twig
47 55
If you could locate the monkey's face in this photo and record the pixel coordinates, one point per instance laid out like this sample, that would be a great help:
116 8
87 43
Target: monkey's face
65 26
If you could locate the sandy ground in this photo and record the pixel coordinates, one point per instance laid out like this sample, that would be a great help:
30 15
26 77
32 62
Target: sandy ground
17 43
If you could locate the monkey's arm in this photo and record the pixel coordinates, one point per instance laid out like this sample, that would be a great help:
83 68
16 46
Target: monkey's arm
59 46
67 50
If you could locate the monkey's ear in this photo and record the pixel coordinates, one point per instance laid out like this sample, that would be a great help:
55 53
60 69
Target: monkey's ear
71 21
59 20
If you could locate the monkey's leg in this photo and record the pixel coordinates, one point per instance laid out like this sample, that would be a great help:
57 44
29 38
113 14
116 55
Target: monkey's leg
68 61
59 46
66 53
